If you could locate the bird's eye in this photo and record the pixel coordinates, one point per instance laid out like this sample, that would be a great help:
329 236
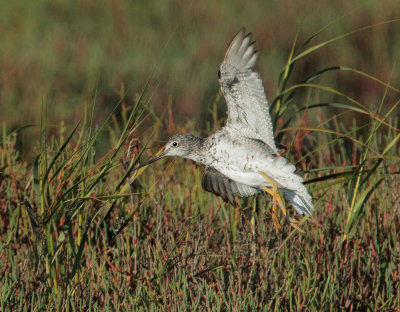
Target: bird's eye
174 144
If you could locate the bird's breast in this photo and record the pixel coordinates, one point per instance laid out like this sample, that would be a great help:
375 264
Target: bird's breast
237 163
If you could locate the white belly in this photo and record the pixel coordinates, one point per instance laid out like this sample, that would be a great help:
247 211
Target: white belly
246 170
241 164
253 179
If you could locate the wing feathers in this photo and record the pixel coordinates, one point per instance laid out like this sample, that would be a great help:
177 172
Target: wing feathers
241 51
229 191
244 92
235 44
245 45
215 182
247 56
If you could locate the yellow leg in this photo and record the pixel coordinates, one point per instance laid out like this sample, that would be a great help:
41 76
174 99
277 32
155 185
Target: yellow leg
274 192
276 199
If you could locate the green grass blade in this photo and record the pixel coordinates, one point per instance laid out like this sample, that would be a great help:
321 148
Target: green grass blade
355 213
59 152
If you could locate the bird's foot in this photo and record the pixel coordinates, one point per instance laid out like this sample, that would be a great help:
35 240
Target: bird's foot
277 201
295 224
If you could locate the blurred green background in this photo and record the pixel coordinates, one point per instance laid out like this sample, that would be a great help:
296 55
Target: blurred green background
66 54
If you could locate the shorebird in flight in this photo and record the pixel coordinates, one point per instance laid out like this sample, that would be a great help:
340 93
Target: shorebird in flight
242 157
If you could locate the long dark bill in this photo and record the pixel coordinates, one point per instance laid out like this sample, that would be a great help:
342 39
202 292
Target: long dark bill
150 161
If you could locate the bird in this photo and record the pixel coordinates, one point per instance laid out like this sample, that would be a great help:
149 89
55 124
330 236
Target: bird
242 157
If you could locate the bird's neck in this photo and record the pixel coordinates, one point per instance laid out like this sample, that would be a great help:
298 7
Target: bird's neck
197 153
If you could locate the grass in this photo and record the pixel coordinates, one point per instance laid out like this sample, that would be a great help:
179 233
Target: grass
80 230
76 235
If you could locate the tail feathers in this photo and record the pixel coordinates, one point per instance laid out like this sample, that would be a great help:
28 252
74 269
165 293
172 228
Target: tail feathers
291 184
301 200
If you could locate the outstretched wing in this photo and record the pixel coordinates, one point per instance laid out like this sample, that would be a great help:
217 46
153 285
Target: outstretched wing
215 182
248 111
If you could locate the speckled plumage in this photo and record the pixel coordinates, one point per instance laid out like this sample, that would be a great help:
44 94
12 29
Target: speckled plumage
248 111
235 154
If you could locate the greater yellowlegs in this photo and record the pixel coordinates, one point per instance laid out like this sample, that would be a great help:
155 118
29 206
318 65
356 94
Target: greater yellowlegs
242 158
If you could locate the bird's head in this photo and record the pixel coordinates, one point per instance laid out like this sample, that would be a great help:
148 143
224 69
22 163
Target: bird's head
181 145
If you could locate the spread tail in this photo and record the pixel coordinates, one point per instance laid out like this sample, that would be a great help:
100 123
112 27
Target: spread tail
301 200
291 184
